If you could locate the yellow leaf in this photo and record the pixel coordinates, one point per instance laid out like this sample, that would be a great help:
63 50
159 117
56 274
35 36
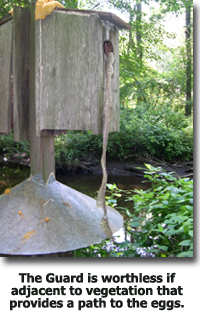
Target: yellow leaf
11 12
45 7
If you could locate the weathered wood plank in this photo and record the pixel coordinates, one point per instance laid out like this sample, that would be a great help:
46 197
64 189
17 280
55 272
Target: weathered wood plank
35 142
69 81
48 156
114 123
95 73
106 16
21 30
5 76
42 154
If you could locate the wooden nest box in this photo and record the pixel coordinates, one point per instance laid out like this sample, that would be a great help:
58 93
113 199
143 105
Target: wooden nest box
53 77
58 70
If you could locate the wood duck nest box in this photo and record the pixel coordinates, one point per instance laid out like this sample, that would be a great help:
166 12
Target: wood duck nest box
59 69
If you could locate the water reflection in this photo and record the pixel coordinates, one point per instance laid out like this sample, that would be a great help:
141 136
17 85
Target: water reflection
89 183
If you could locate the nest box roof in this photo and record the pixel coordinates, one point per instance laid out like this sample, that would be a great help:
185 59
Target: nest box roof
106 16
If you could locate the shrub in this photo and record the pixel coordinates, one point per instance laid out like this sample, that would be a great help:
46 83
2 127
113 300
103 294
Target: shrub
145 131
9 147
162 219
161 223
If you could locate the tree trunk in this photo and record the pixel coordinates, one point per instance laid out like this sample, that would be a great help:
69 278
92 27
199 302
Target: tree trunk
139 46
139 28
188 105
131 41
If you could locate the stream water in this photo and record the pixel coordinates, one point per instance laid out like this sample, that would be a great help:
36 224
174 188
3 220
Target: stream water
89 183
11 175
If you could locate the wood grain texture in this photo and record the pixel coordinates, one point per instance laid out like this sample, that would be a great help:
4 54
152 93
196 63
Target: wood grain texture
5 76
42 154
106 16
70 71
21 30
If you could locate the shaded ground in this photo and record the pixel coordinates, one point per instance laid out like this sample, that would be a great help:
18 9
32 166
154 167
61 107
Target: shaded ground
126 168
183 169
17 169
131 168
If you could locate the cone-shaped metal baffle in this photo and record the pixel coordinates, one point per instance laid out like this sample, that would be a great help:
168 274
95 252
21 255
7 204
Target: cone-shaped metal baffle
37 218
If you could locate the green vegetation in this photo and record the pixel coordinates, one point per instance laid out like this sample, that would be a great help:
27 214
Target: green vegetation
144 131
9 147
6 6
160 223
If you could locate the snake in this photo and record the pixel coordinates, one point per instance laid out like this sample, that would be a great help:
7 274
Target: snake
107 113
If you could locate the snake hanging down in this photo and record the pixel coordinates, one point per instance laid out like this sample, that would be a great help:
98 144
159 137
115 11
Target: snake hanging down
107 112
